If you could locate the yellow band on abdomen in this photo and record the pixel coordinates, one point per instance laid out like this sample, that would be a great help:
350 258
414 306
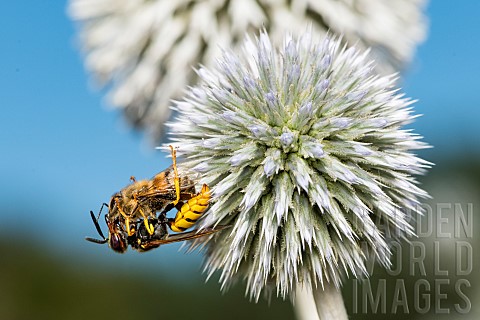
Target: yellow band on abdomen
191 211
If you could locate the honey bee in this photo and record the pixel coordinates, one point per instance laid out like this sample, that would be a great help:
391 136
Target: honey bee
132 219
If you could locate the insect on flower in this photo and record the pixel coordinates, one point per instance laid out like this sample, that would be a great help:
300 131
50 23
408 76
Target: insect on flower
132 219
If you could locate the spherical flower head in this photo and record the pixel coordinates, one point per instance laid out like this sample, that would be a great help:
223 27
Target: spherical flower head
304 149
144 50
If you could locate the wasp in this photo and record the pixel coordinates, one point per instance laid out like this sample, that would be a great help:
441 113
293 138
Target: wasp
132 212
142 240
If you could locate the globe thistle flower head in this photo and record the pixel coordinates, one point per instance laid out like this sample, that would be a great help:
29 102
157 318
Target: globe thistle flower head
304 149
144 50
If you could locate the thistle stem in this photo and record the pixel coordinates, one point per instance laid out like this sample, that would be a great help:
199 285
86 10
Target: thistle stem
304 304
329 302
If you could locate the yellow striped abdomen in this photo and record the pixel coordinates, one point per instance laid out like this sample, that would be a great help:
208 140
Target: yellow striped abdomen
191 211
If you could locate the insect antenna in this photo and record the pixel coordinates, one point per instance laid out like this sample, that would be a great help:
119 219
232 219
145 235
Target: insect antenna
99 230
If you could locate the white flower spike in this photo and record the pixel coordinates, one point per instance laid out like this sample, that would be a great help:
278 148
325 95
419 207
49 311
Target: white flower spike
144 50
304 148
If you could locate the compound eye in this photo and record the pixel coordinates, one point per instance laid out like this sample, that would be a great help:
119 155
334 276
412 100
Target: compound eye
118 243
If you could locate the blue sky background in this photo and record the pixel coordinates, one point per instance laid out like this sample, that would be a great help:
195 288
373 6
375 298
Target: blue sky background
63 153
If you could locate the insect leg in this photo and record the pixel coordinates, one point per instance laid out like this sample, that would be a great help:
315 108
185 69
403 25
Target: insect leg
183 197
130 231
175 171
148 225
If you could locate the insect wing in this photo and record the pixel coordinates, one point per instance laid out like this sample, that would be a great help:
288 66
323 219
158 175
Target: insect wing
164 184
181 237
